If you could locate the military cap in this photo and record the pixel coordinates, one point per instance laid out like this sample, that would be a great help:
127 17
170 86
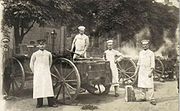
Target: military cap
41 41
110 42
144 41
81 28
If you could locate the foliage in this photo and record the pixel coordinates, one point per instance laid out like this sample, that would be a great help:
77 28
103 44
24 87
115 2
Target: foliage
127 17
101 17
22 14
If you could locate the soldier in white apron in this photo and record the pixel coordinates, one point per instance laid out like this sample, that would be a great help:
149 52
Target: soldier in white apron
145 67
80 43
40 64
111 55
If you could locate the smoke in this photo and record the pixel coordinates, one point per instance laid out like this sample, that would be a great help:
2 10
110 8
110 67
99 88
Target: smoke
128 49
143 34
166 47
131 49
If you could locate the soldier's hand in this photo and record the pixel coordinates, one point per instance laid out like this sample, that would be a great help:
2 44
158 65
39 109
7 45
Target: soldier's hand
116 61
151 73
83 53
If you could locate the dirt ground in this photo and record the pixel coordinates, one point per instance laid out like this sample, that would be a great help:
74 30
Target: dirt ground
166 96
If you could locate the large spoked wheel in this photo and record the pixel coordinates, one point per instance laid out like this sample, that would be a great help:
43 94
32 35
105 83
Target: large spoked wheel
66 80
14 77
126 69
159 69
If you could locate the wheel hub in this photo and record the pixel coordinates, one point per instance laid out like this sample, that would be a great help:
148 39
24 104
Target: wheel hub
12 76
123 71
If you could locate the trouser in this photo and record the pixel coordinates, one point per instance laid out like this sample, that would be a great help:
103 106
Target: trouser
51 101
147 92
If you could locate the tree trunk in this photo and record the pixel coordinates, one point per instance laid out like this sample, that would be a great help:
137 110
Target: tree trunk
19 33
18 39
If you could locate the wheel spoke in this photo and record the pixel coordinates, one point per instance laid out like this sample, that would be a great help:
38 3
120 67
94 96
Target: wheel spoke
74 89
129 77
68 92
54 76
130 72
70 80
13 86
16 85
61 74
56 85
64 69
63 94
119 66
69 74
58 92
57 71
129 68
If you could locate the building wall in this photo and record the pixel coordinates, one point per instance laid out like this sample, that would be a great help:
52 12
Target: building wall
37 33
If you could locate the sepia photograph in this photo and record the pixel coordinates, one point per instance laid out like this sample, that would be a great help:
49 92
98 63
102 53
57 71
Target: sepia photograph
89 55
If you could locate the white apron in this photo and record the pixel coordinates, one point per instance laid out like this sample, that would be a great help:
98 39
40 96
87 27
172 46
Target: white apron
110 56
42 82
146 61
80 43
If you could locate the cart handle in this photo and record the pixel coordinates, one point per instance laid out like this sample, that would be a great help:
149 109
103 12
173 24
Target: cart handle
74 53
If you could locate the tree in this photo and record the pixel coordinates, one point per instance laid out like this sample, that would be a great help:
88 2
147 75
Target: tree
22 14
101 17
128 17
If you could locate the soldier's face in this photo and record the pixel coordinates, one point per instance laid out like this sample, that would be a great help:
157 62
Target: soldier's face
42 46
110 46
145 46
81 31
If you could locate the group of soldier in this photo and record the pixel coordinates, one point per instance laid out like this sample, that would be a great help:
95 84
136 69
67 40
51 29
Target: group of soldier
41 62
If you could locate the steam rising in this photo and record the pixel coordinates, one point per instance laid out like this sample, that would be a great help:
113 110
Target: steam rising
129 49
168 45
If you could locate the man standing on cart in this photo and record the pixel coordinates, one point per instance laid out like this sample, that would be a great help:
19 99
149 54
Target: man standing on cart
40 64
145 68
80 43
112 55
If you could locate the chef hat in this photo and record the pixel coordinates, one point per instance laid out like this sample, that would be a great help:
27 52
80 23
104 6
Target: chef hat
110 42
41 41
144 41
81 28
